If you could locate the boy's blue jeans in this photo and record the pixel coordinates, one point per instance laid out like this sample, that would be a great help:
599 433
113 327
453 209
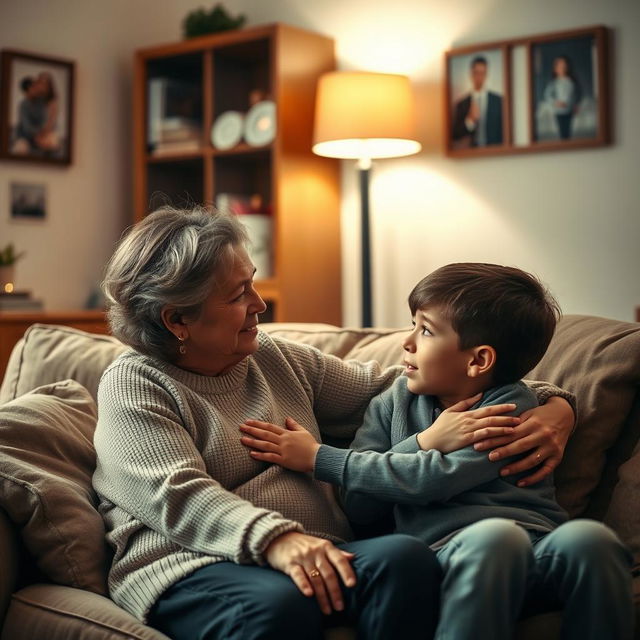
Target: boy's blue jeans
494 566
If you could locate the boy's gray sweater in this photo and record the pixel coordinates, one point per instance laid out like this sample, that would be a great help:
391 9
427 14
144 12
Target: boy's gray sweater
433 495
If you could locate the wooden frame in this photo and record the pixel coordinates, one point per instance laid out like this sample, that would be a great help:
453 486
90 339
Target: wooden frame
491 61
36 108
584 121
533 119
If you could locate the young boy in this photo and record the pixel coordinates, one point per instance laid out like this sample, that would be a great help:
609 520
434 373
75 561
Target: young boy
478 328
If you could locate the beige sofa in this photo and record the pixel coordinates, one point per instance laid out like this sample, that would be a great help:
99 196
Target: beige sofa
52 553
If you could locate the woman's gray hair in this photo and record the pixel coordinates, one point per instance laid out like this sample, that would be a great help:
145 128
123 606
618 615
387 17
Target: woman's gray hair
168 258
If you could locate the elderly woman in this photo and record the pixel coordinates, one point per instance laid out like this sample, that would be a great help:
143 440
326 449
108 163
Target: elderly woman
210 543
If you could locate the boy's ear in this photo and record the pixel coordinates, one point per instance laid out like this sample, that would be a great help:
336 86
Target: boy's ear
483 359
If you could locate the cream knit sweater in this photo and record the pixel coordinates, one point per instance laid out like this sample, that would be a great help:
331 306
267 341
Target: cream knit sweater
177 488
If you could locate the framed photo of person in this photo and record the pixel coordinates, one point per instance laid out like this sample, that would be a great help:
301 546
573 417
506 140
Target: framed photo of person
477 100
552 88
568 89
28 201
36 108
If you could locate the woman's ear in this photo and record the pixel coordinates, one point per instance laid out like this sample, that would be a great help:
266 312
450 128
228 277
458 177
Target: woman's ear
172 320
483 359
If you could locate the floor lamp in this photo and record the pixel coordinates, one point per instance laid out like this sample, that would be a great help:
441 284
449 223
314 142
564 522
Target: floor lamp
363 116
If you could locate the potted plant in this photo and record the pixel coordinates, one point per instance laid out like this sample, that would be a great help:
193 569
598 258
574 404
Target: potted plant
8 259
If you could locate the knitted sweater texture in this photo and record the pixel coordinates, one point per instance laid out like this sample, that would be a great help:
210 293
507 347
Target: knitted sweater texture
177 488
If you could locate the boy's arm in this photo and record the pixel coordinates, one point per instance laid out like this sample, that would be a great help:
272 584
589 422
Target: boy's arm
421 477
543 391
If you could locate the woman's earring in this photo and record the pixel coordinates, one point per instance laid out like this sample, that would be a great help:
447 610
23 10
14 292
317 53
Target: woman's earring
182 349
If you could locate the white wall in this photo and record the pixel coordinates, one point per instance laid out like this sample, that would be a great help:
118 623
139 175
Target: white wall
571 217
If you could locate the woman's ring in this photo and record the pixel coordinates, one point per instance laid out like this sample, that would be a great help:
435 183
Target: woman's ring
314 573
538 456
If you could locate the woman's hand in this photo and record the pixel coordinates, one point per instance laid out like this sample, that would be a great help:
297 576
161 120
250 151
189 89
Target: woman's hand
314 565
544 432
457 428
292 448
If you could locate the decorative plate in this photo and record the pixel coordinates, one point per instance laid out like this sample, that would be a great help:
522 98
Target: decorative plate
260 124
227 130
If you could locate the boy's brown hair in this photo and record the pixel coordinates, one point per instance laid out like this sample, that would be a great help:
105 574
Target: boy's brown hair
503 307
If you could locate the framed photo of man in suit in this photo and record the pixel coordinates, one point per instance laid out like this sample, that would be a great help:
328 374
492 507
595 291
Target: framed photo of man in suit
477 100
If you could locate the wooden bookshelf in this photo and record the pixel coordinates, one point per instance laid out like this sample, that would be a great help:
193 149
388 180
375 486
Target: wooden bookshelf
302 189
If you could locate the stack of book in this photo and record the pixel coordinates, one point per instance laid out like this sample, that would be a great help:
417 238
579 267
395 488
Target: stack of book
173 123
19 301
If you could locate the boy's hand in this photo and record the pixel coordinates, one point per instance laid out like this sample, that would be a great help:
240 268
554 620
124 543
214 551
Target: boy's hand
457 427
292 448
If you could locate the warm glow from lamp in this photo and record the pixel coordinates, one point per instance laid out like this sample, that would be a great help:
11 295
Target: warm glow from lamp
8 287
363 115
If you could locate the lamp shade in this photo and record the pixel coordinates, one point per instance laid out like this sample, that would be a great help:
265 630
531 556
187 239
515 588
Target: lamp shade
363 115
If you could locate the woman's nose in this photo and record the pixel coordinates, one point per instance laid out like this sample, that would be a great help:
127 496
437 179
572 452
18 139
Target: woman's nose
259 304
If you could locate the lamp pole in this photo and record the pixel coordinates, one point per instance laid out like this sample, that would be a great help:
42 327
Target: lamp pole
364 167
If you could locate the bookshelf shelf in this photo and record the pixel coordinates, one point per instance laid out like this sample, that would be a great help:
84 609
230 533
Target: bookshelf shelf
181 89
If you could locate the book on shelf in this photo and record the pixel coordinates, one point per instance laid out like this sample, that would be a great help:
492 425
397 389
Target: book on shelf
168 148
178 130
15 295
19 304
173 112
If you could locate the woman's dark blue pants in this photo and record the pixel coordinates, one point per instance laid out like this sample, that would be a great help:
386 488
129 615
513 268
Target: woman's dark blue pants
396 596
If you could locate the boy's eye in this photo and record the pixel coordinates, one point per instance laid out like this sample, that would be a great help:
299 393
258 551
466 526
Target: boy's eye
426 332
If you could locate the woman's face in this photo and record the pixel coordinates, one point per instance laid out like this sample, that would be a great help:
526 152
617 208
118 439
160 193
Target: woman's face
226 330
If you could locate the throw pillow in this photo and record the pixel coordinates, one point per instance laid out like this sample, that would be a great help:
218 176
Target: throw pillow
597 360
48 353
623 514
46 463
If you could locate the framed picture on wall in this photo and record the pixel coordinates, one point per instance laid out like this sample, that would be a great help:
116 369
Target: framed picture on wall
36 108
28 201
477 103
552 88
568 89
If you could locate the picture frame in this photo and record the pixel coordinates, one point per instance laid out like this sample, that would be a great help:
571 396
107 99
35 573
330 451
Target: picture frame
568 89
530 111
28 201
477 100
36 108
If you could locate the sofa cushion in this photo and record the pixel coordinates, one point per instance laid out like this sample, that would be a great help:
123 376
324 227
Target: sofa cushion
46 463
60 613
48 353
623 513
598 360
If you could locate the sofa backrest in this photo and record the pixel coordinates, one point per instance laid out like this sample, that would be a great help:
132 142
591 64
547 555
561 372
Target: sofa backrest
598 359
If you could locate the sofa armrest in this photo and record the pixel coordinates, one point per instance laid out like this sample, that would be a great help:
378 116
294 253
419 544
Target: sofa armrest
9 553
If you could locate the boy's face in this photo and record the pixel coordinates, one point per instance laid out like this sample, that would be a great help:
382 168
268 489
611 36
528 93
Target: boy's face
434 363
